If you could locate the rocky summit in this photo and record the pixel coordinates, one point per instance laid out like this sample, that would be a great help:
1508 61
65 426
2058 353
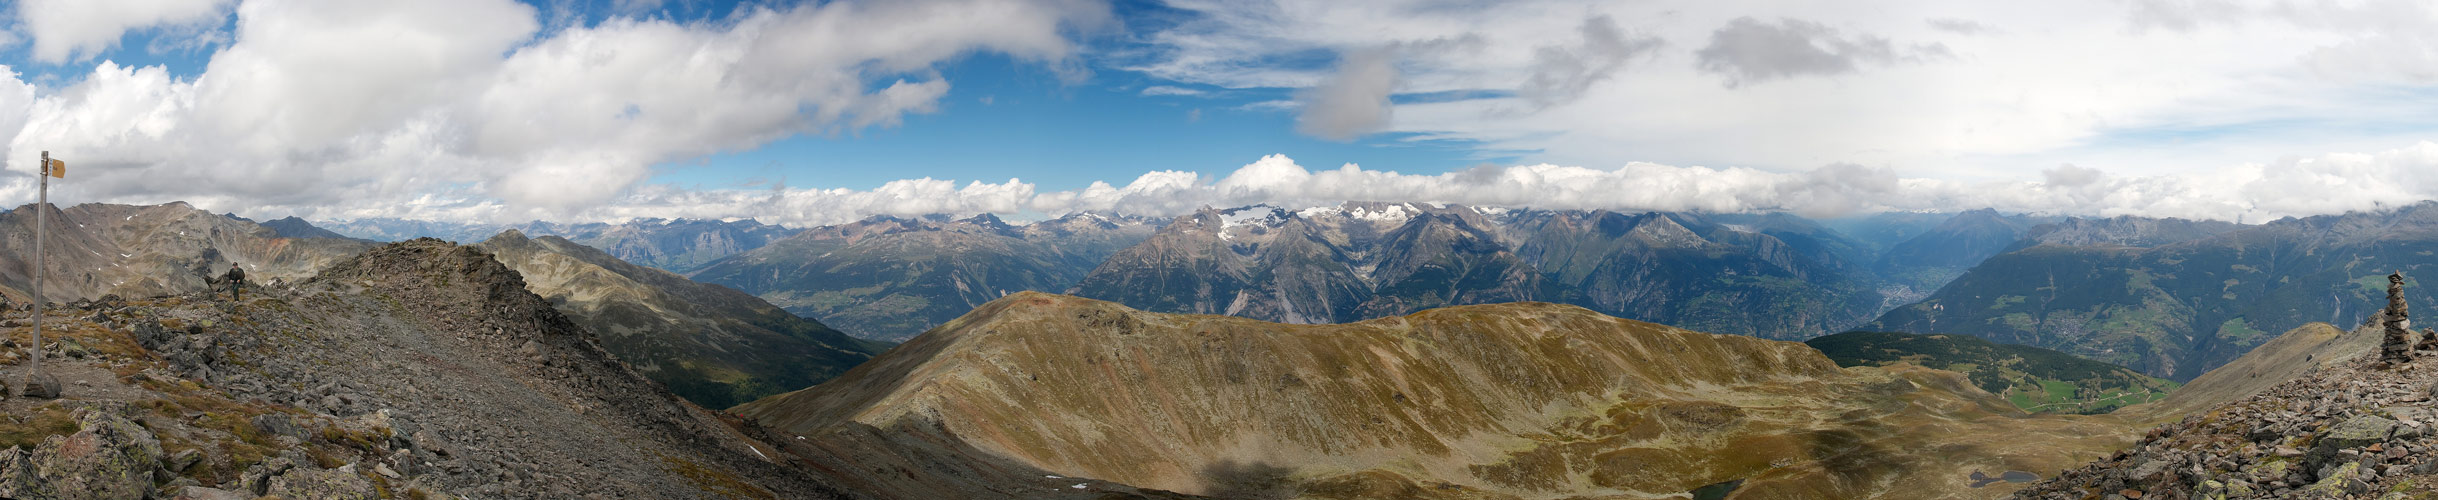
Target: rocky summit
2346 430
2346 424
420 369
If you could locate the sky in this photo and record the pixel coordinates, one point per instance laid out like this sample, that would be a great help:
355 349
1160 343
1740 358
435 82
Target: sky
809 113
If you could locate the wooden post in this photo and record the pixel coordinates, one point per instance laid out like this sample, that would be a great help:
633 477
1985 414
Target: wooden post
33 365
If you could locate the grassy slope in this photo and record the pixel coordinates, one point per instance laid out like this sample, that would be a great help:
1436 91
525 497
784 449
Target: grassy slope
2032 378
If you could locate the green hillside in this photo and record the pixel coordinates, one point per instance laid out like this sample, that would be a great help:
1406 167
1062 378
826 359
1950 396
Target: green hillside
2035 379
2176 311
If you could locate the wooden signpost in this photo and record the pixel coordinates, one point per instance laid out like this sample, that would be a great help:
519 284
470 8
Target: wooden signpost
33 365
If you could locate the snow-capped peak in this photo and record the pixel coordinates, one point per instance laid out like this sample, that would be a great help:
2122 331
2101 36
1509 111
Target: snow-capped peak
1388 214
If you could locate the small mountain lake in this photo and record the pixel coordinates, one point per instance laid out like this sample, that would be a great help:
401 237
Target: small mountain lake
2013 476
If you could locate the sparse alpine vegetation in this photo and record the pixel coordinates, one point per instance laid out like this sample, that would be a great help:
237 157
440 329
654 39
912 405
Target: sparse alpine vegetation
2035 379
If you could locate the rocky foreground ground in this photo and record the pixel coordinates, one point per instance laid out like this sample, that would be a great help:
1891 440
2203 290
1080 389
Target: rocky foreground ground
2349 429
417 370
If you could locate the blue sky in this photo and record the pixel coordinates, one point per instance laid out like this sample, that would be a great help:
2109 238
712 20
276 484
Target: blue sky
1003 119
810 113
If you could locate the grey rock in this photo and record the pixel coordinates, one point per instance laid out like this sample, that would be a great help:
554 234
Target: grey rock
202 493
108 458
41 386
335 484
20 477
183 460
278 424
2353 433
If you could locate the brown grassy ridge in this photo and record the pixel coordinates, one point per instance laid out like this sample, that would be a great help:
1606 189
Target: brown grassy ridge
1522 399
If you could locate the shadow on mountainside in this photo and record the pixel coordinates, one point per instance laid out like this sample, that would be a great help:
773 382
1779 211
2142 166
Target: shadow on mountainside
1248 481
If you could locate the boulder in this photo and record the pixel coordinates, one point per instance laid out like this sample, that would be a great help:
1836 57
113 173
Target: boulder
2345 482
2355 433
107 458
41 386
21 478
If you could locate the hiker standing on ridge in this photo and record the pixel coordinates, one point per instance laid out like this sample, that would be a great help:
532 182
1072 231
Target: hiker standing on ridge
236 279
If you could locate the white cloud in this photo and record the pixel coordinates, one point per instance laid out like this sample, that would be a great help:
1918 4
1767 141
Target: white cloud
1159 90
2325 184
65 30
471 108
1352 102
1966 90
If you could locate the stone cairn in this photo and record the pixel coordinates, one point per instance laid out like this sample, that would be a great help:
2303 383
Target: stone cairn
2397 349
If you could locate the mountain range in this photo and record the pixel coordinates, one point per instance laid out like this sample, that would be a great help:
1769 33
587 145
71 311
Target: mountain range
2176 298
890 278
136 251
1769 276
711 344
677 245
538 366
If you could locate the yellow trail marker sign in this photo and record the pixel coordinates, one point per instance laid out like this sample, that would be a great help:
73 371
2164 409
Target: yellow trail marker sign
58 169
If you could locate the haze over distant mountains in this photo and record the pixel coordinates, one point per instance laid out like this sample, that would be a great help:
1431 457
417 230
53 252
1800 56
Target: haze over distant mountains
890 278
678 245
1768 275
2176 298
1771 275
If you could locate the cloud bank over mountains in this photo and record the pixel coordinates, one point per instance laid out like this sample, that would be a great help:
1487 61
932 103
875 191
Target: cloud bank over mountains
493 110
2253 193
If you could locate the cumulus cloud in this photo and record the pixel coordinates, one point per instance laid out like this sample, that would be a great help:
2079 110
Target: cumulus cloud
1352 102
65 30
450 106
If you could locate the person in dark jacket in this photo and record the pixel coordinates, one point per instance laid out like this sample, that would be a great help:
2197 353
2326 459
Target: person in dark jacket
236 280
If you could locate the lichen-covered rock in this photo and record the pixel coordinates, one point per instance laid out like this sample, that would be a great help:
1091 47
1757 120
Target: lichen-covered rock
19 478
334 484
2344 482
2355 433
108 458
